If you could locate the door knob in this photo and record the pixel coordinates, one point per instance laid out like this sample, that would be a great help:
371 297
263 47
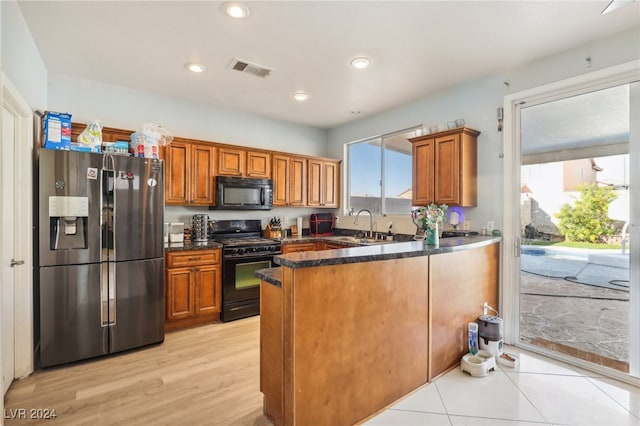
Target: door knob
16 262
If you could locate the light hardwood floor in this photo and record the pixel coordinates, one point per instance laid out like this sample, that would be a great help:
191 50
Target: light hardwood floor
207 375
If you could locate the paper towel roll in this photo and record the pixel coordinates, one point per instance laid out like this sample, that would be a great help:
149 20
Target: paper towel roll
299 225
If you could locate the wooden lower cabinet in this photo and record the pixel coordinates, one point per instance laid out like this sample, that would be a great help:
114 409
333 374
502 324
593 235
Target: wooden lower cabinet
193 288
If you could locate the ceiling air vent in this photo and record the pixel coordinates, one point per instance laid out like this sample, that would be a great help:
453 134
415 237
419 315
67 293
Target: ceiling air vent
249 68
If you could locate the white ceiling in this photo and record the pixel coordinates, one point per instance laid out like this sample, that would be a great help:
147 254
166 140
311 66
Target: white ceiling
416 47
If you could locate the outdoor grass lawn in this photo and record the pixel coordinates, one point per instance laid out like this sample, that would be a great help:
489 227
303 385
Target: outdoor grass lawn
572 244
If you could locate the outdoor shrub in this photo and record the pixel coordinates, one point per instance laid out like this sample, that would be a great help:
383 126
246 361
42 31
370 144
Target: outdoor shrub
588 220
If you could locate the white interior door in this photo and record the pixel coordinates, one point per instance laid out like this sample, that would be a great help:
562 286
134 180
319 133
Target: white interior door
7 281
16 239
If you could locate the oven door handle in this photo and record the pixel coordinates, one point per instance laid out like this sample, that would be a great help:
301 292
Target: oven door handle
250 256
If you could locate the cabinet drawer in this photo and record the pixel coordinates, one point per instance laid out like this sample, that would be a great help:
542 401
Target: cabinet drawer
298 247
193 258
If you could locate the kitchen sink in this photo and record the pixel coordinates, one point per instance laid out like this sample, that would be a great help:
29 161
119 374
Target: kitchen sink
364 241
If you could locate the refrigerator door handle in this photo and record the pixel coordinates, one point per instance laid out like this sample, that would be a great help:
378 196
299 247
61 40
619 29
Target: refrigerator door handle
112 293
104 295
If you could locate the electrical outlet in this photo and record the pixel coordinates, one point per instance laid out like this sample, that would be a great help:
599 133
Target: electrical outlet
337 219
466 225
490 226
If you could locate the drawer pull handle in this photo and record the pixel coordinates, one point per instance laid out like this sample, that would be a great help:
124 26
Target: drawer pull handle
195 258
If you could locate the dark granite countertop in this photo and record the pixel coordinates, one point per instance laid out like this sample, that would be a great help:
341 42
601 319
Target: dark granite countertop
383 251
270 275
369 253
189 245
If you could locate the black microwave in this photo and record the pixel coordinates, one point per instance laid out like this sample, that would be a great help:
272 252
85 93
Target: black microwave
238 193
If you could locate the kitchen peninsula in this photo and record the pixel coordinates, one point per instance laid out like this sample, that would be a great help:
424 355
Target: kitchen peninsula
346 332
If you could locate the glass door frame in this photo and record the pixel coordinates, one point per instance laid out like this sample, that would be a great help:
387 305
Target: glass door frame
510 295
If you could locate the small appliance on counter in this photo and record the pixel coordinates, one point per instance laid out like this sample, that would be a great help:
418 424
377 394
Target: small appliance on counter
176 232
321 224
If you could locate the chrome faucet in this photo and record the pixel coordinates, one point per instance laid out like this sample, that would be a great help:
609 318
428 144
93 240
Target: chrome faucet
355 222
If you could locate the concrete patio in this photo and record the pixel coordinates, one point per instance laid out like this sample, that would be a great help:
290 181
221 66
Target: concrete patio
576 307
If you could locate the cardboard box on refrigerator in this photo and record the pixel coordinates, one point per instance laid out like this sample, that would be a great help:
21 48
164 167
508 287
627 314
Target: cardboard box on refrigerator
56 128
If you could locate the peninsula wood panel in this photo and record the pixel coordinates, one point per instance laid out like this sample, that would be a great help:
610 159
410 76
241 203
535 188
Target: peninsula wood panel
455 299
271 351
379 343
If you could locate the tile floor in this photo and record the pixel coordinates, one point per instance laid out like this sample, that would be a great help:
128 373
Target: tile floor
540 391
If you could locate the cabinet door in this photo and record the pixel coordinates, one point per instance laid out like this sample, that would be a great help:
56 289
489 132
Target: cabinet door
177 174
207 290
259 164
423 172
231 162
447 169
314 194
280 180
180 294
297 184
330 192
203 170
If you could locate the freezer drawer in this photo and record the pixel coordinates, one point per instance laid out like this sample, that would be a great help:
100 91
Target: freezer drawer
139 315
70 323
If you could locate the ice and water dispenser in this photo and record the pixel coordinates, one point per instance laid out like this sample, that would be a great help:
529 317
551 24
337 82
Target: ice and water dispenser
68 221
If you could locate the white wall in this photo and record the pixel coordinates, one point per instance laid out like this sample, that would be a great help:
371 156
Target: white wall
476 102
121 107
21 61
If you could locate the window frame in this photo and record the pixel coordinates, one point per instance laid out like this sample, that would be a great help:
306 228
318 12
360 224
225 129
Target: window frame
417 130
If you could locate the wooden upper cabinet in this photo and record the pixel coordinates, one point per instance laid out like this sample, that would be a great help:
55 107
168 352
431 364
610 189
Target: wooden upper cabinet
323 183
423 188
240 162
258 164
289 180
231 162
445 168
189 171
177 177
203 168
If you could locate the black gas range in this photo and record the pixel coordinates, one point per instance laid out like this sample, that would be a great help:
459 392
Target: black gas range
244 251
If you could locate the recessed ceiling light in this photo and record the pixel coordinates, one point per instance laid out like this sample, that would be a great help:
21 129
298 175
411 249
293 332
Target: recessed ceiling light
300 96
236 10
196 67
360 62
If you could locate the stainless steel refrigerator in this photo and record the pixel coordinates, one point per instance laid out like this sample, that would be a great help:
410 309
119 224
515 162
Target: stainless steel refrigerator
100 283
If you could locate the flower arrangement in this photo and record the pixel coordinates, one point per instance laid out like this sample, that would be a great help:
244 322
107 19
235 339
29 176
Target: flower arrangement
429 217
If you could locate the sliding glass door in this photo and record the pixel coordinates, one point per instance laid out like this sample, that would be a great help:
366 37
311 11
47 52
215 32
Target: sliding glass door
577 247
